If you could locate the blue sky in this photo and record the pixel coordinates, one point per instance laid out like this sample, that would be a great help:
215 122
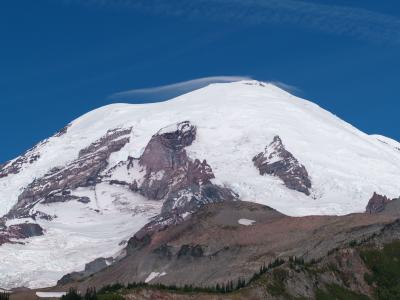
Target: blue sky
62 58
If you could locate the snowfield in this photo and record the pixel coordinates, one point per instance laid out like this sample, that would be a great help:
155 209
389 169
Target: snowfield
235 121
79 234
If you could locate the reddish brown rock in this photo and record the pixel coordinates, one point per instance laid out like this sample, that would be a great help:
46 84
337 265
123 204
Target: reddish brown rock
377 204
277 161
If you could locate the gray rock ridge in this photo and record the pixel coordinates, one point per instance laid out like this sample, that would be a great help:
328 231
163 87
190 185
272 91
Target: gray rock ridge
277 161
90 268
56 185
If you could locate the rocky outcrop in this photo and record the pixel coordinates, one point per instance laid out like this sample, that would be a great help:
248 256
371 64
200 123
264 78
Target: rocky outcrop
184 183
279 162
377 204
191 251
63 196
166 172
195 196
167 166
19 231
56 185
90 268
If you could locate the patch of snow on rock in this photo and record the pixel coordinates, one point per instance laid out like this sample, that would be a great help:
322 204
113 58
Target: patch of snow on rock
50 294
246 222
154 275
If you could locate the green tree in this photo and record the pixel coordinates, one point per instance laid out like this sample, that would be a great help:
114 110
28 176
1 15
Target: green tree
72 295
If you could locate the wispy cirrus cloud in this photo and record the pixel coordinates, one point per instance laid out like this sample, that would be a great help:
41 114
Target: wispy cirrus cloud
171 90
340 20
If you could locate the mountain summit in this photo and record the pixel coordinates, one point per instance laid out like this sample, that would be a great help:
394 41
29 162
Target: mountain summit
84 192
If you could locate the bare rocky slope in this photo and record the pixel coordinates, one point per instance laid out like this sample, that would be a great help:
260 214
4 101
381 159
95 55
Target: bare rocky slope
319 257
211 246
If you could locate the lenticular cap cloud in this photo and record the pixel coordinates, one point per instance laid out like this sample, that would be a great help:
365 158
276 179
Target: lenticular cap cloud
176 88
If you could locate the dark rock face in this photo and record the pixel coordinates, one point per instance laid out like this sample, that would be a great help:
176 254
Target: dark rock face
27 229
55 186
139 241
90 268
20 231
164 251
277 161
63 196
42 215
377 204
190 251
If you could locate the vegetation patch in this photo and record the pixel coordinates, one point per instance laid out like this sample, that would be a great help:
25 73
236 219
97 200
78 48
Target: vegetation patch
336 292
91 294
4 296
384 265
277 287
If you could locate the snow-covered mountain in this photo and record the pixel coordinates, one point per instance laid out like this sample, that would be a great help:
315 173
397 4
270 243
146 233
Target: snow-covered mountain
99 180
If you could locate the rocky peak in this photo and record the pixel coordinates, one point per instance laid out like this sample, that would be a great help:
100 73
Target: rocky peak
376 204
277 161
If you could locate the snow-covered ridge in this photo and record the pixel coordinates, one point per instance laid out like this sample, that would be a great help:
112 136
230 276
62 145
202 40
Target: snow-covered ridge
388 141
234 122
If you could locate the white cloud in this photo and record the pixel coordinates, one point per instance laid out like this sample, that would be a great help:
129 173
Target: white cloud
340 20
175 88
